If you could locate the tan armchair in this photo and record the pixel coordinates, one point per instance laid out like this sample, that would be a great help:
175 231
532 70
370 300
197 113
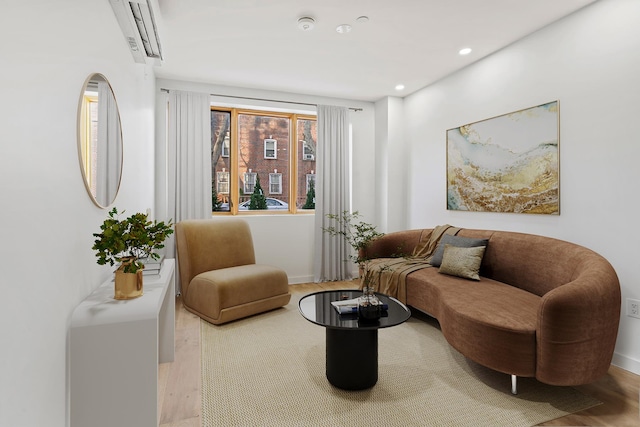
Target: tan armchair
220 280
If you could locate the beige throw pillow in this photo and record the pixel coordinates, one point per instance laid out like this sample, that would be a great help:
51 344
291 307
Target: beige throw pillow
462 262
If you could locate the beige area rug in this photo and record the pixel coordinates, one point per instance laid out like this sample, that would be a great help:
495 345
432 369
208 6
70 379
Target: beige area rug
269 370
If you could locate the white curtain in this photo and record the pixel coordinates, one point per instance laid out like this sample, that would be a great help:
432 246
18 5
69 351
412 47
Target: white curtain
188 161
333 196
109 149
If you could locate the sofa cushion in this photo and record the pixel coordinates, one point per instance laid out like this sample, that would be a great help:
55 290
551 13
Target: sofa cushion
461 242
462 262
246 289
488 321
493 324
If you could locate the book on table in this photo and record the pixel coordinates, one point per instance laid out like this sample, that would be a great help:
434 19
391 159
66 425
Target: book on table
151 266
152 263
349 306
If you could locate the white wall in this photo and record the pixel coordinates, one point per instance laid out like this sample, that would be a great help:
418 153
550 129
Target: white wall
391 160
590 62
287 241
47 219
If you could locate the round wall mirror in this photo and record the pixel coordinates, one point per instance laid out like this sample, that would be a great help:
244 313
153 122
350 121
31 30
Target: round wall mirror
99 140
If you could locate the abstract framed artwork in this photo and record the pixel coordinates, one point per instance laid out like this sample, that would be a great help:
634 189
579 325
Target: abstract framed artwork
509 163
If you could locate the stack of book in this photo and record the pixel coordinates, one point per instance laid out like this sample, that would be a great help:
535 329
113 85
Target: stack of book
152 267
349 306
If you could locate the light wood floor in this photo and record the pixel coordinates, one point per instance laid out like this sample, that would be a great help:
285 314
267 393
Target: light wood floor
179 381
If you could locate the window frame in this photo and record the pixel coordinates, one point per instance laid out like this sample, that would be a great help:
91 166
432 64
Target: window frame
88 143
293 160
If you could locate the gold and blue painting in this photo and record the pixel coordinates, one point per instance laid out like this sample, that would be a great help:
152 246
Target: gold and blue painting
508 163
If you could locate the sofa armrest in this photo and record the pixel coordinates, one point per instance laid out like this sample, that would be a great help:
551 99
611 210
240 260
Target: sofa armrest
393 245
578 326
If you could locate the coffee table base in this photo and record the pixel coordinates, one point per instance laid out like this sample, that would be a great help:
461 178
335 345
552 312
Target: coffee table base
352 358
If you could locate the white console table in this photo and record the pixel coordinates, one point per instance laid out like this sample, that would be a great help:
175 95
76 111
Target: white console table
115 348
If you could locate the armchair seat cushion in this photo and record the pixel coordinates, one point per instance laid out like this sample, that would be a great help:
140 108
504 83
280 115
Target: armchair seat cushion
217 294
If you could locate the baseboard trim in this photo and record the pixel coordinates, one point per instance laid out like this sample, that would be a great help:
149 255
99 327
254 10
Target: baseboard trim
296 280
627 363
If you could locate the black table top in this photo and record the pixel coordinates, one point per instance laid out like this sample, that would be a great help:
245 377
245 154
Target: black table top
317 309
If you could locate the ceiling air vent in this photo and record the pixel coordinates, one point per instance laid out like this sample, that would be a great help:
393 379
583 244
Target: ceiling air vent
140 28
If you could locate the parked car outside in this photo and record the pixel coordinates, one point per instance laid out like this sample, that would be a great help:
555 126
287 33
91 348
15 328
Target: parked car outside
271 204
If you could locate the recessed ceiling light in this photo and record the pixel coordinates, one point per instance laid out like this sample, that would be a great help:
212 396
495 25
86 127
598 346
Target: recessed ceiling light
465 51
399 87
343 28
362 19
306 23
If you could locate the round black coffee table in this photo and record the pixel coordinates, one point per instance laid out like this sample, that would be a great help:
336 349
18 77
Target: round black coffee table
352 345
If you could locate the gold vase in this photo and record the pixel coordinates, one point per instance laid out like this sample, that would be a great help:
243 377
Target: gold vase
127 285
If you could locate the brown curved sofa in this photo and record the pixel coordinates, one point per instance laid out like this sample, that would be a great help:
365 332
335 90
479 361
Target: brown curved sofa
543 307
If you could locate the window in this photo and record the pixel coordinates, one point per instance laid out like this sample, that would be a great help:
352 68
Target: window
221 159
275 183
307 136
308 152
226 146
311 181
310 201
89 140
270 149
249 182
261 154
223 182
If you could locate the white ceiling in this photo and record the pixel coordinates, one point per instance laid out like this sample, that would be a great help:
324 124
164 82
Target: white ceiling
257 43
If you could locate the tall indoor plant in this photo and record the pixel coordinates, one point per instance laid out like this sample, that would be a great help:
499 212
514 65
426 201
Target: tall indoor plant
358 235
126 241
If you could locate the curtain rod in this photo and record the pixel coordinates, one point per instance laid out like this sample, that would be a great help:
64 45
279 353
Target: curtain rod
265 99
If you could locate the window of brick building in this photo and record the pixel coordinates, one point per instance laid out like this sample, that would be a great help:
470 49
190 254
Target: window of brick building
275 183
270 149
249 182
273 149
311 181
223 182
226 146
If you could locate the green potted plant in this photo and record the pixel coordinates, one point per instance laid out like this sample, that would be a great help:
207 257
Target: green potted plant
126 241
359 236
356 233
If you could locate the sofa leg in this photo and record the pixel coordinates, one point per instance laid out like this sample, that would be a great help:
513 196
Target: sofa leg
514 384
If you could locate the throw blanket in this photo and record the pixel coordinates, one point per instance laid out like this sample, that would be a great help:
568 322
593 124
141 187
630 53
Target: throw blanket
388 275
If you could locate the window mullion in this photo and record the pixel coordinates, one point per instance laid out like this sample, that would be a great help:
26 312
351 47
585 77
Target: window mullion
293 164
235 158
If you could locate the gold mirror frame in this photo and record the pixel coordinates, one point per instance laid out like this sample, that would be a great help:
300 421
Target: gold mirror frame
99 140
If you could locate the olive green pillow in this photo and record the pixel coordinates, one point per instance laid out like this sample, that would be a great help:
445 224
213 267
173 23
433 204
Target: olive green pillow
462 262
